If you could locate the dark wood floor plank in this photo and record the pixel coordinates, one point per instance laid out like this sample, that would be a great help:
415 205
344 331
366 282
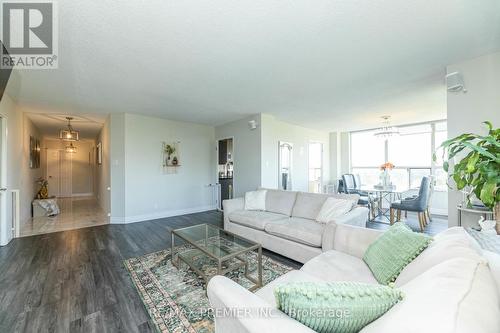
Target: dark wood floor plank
75 281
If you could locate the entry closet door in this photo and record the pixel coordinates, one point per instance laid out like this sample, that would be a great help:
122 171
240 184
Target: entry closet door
59 168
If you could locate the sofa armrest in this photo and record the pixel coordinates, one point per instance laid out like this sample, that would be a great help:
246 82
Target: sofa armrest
357 217
236 309
229 206
354 240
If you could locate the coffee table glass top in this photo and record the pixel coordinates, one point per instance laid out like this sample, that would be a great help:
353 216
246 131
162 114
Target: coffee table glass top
214 241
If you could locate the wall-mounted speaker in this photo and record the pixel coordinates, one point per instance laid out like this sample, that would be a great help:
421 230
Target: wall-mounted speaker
252 124
455 82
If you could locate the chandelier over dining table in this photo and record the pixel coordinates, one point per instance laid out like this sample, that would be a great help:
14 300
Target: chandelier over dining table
386 131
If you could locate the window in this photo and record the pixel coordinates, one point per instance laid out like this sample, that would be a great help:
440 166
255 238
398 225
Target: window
411 153
366 150
412 147
440 135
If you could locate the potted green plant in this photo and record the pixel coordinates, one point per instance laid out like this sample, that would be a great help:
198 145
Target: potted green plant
169 150
478 171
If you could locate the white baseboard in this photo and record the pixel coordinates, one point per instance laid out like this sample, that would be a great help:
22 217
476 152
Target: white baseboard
159 215
439 211
75 195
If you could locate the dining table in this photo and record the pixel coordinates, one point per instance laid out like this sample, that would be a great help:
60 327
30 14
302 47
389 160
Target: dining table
381 198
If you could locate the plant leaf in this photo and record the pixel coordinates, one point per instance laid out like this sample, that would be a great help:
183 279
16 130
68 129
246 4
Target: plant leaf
488 193
481 151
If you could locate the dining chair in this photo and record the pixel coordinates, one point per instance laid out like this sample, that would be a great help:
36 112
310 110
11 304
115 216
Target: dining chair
351 187
427 213
418 204
349 184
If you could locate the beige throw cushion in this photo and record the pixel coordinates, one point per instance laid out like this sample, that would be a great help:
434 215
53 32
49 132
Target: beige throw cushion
333 208
255 200
308 205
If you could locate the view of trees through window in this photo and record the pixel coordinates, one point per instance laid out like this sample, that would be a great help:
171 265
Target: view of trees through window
411 153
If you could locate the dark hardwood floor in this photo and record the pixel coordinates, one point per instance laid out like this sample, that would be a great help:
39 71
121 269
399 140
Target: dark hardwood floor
75 281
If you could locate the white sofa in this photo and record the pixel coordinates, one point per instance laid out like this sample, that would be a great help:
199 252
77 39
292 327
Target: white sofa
450 287
288 225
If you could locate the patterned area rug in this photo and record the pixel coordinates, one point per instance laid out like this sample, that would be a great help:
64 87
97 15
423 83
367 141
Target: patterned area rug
176 299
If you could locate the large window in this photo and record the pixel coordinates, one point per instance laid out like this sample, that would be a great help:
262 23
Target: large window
411 153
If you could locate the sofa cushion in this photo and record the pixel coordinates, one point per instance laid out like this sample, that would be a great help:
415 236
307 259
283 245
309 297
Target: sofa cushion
339 266
343 306
308 205
455 296
332 208
494 265
449 244
393 251
255 200
280 202
299 230
267 292
255 219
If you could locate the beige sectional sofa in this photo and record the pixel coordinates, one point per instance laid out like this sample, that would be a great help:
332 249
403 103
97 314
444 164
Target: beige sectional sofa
452 287
288 226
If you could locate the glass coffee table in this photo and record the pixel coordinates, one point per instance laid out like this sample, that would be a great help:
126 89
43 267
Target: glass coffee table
220 250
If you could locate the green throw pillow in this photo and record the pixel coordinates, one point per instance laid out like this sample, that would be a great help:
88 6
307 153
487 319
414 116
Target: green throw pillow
340 307
392 251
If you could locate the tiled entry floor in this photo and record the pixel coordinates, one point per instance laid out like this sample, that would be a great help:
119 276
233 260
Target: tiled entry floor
75 213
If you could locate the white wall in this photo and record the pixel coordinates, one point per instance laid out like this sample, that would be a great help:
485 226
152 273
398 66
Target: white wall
246 153
273 131
148 192
345 152
467 111
117 142
14 124
28 176
103 177
19 176
335 156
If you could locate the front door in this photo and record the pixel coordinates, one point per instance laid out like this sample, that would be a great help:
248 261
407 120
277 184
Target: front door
59 173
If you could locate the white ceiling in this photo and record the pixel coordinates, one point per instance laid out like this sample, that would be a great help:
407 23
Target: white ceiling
50 123
328 64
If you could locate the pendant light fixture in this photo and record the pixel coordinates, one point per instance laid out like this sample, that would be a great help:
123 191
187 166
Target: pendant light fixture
69 134
71 148
386 131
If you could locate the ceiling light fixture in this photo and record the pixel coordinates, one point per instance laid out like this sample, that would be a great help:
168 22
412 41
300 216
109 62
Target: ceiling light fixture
69 134
386 131
71 148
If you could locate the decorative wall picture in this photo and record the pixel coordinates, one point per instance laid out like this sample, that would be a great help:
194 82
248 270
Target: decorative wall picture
99 153
170 156
34 153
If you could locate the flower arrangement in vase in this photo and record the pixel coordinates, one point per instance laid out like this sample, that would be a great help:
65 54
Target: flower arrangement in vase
385 177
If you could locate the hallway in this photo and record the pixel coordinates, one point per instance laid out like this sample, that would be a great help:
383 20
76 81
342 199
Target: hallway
75 213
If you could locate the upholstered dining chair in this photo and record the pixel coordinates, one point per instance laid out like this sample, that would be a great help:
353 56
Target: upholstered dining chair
427 213
418 204
350 187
